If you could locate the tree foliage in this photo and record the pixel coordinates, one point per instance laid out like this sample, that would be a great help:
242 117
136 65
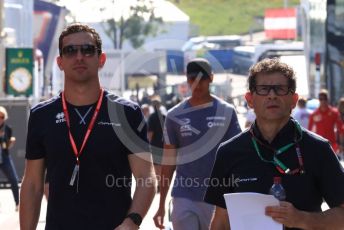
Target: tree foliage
133 24
138 23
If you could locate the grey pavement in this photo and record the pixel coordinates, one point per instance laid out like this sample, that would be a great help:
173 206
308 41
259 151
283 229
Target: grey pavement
9 218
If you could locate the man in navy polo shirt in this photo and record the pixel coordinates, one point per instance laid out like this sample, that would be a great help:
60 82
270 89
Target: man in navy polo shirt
193 130
276 145
90 142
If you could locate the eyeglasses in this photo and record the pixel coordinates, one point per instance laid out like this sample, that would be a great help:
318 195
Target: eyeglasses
279 90
72 50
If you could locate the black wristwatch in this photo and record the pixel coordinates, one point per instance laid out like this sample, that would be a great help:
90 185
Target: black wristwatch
135 217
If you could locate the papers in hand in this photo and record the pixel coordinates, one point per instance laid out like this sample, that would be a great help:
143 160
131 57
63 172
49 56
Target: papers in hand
247 211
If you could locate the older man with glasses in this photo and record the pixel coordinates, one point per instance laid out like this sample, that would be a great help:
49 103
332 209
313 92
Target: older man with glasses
326 120
277 146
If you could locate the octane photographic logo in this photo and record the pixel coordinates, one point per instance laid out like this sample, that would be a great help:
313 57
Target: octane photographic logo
139 62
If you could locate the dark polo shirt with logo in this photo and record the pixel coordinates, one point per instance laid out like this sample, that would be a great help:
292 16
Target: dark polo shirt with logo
102 196
238 168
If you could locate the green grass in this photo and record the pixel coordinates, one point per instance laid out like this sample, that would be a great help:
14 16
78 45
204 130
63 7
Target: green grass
220 17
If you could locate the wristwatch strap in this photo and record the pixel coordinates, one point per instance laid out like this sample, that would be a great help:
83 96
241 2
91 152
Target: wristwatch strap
135 217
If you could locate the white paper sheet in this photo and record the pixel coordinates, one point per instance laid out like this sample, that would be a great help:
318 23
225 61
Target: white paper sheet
247 211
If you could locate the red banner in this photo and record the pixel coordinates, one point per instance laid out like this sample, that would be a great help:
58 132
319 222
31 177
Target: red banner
280 23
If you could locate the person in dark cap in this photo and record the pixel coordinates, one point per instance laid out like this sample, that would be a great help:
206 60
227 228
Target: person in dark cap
199 66
193 130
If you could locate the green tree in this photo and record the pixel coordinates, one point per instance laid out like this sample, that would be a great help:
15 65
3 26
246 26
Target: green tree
133 24
128 22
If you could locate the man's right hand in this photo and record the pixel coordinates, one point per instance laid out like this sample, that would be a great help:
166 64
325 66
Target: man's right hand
159 218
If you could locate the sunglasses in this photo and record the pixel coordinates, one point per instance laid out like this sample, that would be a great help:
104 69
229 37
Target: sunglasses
322 98
72 50
279 90
2 117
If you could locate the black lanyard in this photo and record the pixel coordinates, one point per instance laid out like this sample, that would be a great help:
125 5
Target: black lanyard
280 166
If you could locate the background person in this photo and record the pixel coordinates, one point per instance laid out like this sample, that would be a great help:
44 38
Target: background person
7 140
341 108
341 114
193 130
77 135
146 111
276 145
325 121
301 113
250 118
155 125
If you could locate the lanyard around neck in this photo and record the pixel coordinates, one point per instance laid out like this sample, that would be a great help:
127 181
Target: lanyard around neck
282 168
89 128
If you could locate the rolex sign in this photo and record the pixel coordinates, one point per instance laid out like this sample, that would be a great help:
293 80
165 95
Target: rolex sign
19 69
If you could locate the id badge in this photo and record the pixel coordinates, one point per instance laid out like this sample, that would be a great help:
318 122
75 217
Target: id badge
75 172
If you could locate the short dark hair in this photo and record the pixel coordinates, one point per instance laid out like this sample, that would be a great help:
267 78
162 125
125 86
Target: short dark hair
302 102
269 66
76 28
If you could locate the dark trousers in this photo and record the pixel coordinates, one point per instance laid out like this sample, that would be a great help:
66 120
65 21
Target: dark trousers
7 167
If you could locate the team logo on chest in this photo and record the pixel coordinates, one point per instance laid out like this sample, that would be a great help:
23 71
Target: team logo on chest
185 127
60 117
216 121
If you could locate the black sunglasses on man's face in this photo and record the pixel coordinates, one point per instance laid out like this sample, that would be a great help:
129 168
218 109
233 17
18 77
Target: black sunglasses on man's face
86 50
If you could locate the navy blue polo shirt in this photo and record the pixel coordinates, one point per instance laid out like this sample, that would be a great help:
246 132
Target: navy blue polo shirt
238 168
102 196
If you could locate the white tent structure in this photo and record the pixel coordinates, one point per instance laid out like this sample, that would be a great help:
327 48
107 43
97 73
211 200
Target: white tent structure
173 32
